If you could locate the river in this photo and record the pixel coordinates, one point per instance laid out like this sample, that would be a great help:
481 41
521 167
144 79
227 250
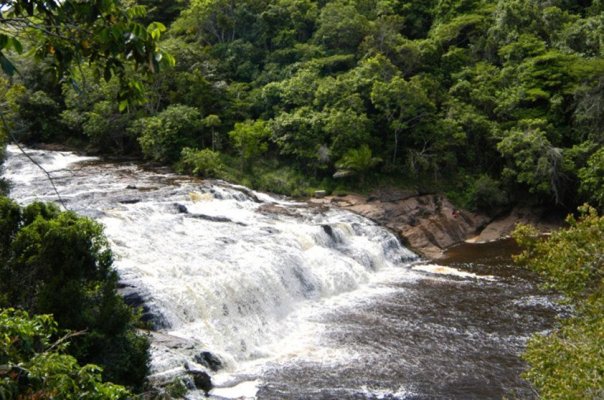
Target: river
297 302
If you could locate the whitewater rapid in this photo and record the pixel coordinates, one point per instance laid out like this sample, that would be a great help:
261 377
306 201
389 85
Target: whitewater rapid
296 301
210 262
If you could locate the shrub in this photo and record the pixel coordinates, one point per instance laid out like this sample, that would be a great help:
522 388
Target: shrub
567 363
33 367
285 181
592 179
162 137
57 263
206 162
486 193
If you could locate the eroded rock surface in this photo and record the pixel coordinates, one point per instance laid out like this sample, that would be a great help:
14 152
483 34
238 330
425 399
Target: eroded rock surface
430 224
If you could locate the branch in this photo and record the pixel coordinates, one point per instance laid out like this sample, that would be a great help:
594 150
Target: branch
10 133
66 338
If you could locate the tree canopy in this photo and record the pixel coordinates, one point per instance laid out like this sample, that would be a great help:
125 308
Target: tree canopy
440 91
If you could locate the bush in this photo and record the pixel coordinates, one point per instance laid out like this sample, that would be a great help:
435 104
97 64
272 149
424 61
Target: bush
486 194
206 162
286 181
162 137
478 193
592 179
54 262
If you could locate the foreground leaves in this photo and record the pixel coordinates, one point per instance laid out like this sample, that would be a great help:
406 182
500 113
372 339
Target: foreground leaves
567 363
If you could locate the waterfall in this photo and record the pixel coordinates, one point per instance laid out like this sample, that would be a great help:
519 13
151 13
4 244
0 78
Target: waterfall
213 263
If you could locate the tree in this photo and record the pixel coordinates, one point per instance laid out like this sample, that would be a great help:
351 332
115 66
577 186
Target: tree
346 129
162 137
534 161
54 262
402 103
359 161
33 363
205 162
567 363
300 135
68 32
212 121
592 179
250 139
341 26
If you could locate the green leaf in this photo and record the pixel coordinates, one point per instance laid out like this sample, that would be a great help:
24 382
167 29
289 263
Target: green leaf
123 105
8 67
15 44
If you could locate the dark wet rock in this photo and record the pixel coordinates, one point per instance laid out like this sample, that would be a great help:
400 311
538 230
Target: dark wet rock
426 223
330 232
214 218
277 209
226 240
209 360
201 379
129 200
181 208
134 298
249 194
429 223
131 187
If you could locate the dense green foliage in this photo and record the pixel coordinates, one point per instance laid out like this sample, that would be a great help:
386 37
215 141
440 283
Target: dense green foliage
34 365
66 33
443 92
567 363
57 263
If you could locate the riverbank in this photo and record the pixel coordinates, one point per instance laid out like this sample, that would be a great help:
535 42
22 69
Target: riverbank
430 224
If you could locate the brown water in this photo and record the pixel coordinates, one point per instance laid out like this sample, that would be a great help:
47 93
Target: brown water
438 337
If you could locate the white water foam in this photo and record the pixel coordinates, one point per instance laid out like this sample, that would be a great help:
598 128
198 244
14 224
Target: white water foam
442 270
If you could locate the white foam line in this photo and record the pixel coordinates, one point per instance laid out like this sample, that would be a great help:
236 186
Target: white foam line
442 270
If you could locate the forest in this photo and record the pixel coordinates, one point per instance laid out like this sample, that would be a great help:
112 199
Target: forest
494 103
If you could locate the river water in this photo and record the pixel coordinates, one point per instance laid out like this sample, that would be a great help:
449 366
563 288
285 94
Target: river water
297 302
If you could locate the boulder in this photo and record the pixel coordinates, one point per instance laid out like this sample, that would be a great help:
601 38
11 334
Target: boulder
133 297
427 223
209 360
202 380
181 208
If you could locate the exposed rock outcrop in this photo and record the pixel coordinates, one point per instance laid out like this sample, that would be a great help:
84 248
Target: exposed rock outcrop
503 226
429 223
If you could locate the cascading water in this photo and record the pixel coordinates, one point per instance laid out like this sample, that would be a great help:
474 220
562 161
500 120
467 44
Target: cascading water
263 283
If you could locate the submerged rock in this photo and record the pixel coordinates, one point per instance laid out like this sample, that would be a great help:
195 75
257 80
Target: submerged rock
181 208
